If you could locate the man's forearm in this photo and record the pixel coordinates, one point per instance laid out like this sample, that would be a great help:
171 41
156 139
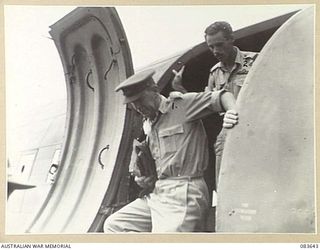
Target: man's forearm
227 101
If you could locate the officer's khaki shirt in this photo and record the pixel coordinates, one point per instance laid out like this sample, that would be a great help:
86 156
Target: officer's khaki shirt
178 140
221 78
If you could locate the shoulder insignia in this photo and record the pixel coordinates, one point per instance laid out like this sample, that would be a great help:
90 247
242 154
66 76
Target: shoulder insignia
175 95
249 59
243 71
248 54
218 65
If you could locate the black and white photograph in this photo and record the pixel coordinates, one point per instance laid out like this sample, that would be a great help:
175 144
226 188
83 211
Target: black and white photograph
191 120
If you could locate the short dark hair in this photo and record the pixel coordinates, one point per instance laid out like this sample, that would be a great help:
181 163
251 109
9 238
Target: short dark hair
216 27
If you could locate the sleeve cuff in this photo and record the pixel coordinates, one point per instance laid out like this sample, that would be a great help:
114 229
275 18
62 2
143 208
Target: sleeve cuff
216 104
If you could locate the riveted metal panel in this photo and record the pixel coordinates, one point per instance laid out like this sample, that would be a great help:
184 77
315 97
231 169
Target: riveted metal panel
96 58
267 173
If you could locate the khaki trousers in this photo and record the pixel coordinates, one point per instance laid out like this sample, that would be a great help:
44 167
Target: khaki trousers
175 205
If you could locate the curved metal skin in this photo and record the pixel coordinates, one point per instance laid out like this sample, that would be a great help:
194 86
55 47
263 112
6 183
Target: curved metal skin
40 136
88 40
267 175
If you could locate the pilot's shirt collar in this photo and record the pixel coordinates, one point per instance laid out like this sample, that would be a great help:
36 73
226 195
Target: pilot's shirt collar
238 61
163 108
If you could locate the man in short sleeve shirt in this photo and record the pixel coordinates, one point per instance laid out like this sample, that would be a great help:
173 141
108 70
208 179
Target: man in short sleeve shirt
221 77
178 144
228 74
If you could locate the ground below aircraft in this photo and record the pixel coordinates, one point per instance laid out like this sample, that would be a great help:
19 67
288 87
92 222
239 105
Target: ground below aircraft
79 158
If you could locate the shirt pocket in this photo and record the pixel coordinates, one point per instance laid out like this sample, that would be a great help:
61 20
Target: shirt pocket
239 79
168 138
220 83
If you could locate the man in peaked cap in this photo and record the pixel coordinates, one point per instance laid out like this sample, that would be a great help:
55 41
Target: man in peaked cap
178 144
133 87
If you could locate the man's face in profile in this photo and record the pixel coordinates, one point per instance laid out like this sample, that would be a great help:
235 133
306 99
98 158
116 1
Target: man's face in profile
146 105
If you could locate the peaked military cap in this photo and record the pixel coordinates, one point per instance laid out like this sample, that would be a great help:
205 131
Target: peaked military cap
134 86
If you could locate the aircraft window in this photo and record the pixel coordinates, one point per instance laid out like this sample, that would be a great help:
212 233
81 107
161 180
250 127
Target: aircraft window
54 167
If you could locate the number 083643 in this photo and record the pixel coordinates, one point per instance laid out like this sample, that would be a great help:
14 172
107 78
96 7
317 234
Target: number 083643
308 245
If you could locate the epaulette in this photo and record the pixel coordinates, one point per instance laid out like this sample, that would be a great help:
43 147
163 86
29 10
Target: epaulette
248 60
218 65
249 54
175 95
243 71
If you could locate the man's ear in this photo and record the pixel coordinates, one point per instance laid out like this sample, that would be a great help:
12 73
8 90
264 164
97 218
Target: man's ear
231 39
153 88
155 94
